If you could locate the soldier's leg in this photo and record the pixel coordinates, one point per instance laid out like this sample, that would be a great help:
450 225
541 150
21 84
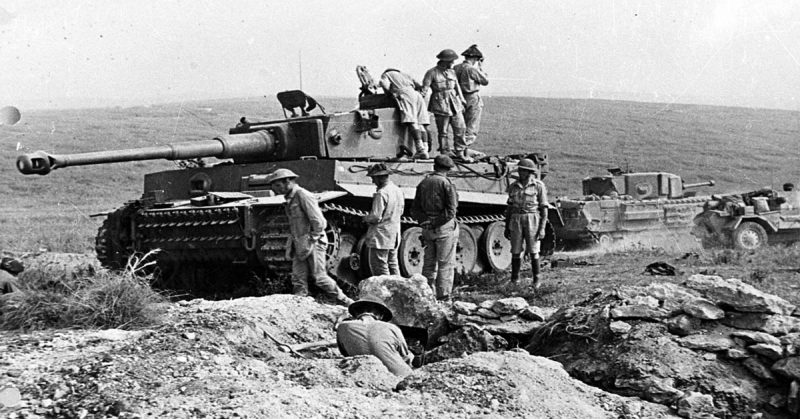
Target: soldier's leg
321 279
394 266
446 253
300 272
431 133
378 261
535 266
472 117
459 129
420 145
517 243
429 260
442 121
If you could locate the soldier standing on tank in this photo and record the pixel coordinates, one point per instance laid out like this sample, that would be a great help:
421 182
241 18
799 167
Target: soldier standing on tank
470 78
434 208
413 112
307 247
446 102
526 217
383 235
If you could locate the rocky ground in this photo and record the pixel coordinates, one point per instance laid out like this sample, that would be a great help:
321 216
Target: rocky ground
657 347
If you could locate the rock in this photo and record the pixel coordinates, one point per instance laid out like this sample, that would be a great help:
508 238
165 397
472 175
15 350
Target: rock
644 312
793 398
774 324
752 337
461 320
659 390
790 339
509 305
619 327
487 304
486 313
788 367
759 370
465 341
642 300
464 307
773 352
777 401
115 334
738 295
696 405
682 325
189 335
513 327
671 296
703 309
710 343
509 318
735 354
533 313
411 300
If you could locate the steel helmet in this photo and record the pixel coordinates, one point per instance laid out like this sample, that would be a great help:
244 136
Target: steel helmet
370 303
280 174
447 55
527 164
378 169
472 51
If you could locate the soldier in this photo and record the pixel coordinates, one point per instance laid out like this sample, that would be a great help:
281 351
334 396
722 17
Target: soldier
526 217
434 208
413 112
470 78
446 102
307 247
369 333
383 235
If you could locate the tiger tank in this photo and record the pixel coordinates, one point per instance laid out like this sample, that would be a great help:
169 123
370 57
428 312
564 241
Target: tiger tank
625 204
214 229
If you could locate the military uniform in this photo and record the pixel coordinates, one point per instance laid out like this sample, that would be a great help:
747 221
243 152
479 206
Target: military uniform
446 103
383 235
308 244
434 208
526 217
470 79
404 89
368 336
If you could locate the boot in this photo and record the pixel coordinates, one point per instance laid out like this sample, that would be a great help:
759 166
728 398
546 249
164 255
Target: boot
516 262
535 271
419 143
462 155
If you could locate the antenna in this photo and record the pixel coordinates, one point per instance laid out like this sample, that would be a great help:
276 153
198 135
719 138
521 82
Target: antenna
300 67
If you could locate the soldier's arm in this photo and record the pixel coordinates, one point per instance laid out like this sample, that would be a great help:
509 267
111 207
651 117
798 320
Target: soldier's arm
416 207
426 82
451 202
385 83
316 220
542 209
479 76
378 207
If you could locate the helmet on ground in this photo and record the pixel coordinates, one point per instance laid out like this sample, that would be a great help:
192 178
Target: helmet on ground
11 265
472 51
527 164
370 303
443 161
447 55
378 169
280 174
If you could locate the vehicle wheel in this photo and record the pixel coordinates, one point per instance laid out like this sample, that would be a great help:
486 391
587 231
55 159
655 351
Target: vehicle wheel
412 252
605 240
749 236
339 263
466 249
480 263
496 247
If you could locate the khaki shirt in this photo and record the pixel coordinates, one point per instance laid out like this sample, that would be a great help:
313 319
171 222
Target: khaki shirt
384 218
530 198
367 336
306 222
470 78
446 98
436 200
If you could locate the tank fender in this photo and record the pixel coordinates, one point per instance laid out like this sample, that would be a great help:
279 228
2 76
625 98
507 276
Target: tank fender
769 226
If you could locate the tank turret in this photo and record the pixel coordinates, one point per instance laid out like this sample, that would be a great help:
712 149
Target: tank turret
639 185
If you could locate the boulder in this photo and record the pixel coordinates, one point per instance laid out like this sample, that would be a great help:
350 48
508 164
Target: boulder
533 313
703 309
461 320
619 327
740 296
656 389
758 369
486 313
773 352
710 343
682 325
644 312
736 353
774 324
697 405
513 327
411 300
464 307
790 339
752 337
671 296
509 305
487 304
788 367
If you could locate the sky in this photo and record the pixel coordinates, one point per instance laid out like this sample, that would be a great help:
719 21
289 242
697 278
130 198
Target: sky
125 53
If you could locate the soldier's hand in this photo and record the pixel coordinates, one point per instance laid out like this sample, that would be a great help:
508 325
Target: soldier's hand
539 235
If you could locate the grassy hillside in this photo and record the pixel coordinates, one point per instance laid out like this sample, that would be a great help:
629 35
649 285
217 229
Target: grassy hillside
740 148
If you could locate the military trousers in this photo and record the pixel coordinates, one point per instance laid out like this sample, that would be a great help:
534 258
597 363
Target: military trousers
383 262
472 117
314 267
439 263
457 122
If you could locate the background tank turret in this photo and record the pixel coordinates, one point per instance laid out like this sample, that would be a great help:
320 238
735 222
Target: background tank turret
621 204
218 229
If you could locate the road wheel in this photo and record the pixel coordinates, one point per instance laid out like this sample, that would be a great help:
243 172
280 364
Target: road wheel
496 247
605 240
466 249
412 252
749 236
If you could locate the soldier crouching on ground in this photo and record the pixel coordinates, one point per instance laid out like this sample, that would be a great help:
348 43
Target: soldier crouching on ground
526 218
434 208
383 235
307 226
369 333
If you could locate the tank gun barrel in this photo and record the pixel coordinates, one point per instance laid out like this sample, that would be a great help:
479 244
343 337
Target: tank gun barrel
253 146
698 184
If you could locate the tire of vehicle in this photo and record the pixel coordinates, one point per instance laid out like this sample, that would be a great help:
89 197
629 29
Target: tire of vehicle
749 236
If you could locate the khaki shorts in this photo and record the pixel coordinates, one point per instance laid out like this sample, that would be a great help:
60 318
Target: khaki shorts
523 229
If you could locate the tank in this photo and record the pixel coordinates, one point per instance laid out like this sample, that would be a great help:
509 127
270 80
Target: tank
620 205
750 220
219 229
